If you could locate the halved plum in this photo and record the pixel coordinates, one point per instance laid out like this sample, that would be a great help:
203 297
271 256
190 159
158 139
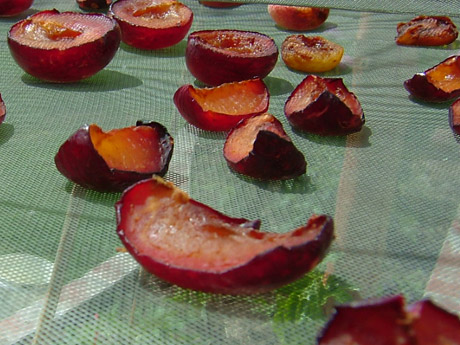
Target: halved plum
221 56
427 31
10 8
94 4
192 245
298 18
64 46
259 147
311 54
324 106
111 161
388 321
2 110
438 84
221 108
454 116
152 24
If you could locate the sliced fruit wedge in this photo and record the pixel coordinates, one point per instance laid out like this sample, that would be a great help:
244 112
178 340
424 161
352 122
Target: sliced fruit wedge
189 244
111 161
221 108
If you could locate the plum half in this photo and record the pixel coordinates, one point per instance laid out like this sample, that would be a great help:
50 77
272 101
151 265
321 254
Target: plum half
437 84
64 46
427 31
298 18
111 161
215 57
388 321
152 24
2 110
260 148
10 8
221 108
324 106
192 245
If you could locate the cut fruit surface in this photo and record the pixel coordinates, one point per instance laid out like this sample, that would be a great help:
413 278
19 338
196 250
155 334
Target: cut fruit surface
221 108
194 246
427 31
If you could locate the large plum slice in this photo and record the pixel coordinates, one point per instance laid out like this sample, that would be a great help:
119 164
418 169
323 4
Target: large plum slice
259 147
437 84
189 244
221 108
111 161
64 46
324 106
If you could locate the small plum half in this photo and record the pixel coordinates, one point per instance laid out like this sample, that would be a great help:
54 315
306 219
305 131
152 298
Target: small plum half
215 57
111 161
440 83
2 110
152 24
427 31
10 8
389 321
221 108
64 46
260 148
324 106
298 18
192 245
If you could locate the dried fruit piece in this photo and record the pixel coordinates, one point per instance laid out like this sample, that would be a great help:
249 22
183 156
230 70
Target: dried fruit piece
389 321
324 106
10 8
2 110
437 84
111 161
259 147
93 4
454 116
311 54
298 18
189 244
222 107
427 31
152 24
64 47
222 56
220 4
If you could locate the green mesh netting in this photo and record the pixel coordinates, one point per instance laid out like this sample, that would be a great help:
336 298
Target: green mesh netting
393 190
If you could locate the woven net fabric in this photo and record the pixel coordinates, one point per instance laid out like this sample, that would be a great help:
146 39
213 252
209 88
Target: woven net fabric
393 191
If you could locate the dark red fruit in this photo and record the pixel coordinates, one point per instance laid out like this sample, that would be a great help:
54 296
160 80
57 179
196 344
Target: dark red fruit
454 116
222 107
324 106
94 4
220 4
64 47
152 24
437 84
2 110
111 161
189 244
222 56
10 8
259 147
427 31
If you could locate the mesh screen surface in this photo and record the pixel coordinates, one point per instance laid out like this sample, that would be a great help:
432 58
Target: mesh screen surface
393 190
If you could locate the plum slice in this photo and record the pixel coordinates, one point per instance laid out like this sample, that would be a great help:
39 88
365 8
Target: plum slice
324 106
111 161
438 84
298 18
388 321
2 110
454 116
152 24
427 31
64 46
221 56
10 8
259 147
93 4
192 245
221 108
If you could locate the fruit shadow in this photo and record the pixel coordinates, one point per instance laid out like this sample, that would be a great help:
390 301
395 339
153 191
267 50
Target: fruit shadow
177 50
358 140
434 105
278 86
320 29
6 132
94 197
105 80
